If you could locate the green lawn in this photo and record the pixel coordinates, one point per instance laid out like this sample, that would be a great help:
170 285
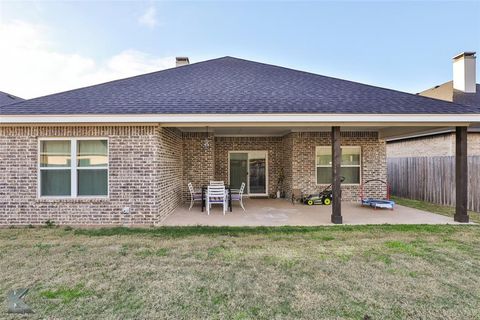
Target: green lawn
339 272
435 208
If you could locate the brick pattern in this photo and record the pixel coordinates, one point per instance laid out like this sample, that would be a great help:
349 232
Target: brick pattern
373 162
432 146
293 153
198 162
133 168
287 144
170 175
273 146
150 166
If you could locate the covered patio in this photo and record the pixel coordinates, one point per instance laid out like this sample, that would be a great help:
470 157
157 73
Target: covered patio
280 212
286 160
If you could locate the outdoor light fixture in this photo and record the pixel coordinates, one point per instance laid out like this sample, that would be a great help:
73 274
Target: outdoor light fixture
206 142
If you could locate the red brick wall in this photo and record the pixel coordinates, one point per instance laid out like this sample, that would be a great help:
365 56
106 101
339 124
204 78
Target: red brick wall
432 146
373 162
170 174
150 166
273 146
287 160
293 153
198 162
133 167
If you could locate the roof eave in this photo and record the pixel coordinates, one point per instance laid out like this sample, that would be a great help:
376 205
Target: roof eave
250 119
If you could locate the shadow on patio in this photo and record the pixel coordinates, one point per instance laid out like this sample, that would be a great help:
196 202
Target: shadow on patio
279 212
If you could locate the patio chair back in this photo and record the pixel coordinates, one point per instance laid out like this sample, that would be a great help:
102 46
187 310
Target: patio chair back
194 196
216 195
238 195
190 188
242 188
217 183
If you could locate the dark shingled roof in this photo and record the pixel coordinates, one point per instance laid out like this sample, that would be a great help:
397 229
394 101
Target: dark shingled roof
468 99
6 98
231 85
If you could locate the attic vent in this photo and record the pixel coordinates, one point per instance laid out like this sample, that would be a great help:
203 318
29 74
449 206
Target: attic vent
11 97
182 61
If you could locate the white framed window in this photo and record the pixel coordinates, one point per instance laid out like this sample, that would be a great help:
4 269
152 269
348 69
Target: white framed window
73 167
351 164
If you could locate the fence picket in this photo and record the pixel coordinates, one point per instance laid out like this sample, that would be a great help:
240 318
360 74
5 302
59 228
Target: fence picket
432 179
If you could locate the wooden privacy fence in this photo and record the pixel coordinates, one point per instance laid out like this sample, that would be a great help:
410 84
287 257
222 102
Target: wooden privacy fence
432 179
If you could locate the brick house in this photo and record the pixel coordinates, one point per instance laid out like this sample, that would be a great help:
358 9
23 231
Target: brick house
129 147
463 89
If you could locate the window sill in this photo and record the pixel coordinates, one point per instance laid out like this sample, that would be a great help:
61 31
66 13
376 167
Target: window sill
74 200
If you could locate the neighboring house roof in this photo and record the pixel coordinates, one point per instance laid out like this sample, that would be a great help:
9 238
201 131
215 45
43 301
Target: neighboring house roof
446 92
230 85
6 98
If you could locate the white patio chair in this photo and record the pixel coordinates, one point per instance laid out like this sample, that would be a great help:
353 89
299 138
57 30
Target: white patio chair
217 183
216 195
194 195
237 195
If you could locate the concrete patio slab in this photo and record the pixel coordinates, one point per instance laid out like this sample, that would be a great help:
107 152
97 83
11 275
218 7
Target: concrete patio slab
279 212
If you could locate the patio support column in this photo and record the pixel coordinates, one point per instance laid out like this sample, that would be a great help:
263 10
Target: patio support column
336 176
461 175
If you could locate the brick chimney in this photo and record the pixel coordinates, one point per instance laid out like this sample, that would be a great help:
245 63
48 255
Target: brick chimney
464 74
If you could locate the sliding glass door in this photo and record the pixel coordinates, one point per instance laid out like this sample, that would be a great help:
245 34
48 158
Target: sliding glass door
249 167
238 169
257 168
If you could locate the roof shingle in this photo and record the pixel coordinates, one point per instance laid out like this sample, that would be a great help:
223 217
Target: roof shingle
231 85
6 98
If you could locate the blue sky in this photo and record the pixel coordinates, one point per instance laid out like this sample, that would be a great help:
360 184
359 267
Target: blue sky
401 45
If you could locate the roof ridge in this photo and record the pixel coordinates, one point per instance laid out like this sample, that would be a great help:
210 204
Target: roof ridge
11 95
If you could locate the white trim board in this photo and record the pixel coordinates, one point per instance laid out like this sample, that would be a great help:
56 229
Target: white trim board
253 119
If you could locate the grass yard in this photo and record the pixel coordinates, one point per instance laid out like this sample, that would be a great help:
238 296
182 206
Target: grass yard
339 272
435 208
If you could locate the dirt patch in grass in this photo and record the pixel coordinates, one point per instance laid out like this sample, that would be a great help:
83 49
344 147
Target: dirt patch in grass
345 272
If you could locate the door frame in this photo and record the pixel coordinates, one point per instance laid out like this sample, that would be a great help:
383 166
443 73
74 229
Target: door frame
248 171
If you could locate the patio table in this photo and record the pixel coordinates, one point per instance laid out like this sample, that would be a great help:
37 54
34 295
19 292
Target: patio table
229 195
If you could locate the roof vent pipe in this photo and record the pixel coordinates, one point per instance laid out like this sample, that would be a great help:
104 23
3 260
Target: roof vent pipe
182 61
464 74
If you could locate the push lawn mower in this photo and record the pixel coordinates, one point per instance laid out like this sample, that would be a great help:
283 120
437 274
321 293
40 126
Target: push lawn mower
324 197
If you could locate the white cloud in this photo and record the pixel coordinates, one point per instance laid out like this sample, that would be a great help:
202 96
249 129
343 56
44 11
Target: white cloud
149 18
30 66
